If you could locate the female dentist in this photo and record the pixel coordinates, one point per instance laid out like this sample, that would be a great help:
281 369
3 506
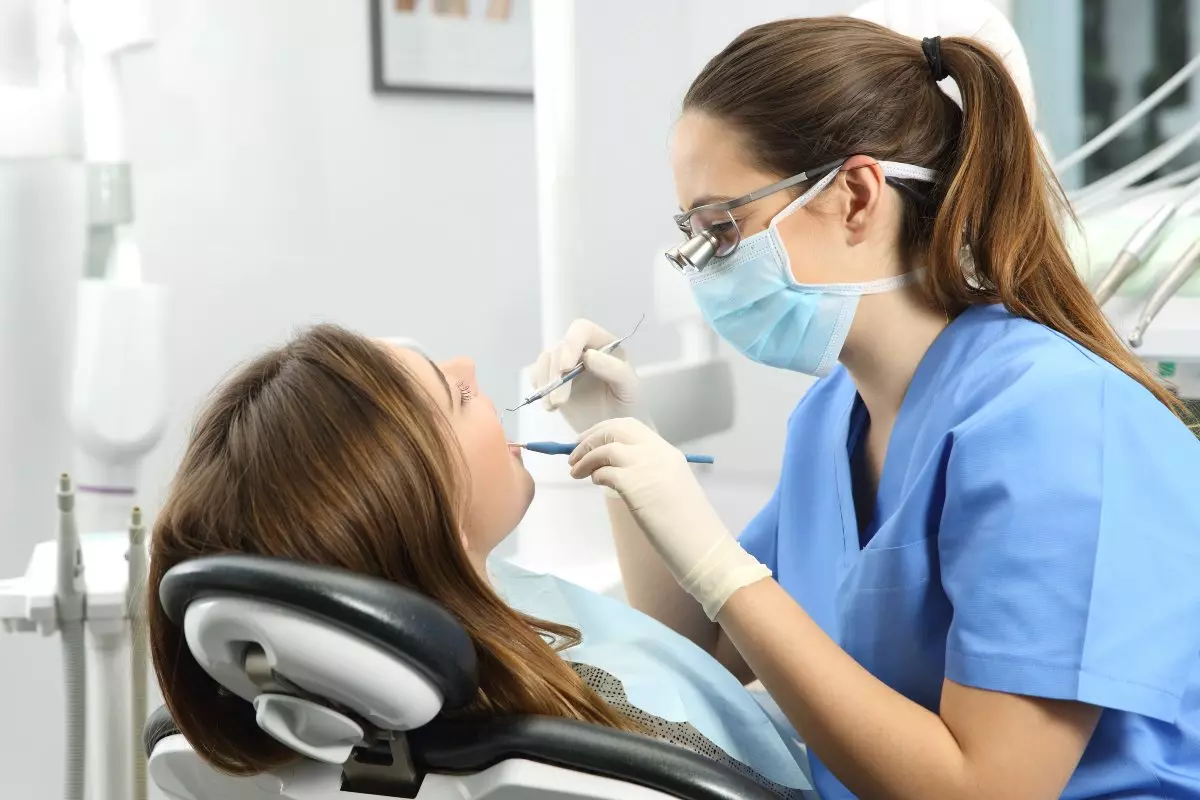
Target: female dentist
979 576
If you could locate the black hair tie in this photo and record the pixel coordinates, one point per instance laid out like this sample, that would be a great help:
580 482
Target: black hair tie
932 48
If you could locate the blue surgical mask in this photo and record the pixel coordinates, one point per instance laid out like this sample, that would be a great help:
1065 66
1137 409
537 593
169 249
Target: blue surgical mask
752 301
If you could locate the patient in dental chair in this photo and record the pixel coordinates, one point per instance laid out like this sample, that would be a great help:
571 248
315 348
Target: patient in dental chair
349 452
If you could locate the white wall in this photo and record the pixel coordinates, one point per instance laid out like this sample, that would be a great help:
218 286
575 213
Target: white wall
18 44
274 189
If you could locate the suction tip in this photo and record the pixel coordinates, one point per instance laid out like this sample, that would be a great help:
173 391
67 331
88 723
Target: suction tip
66 493
1135 338
136 517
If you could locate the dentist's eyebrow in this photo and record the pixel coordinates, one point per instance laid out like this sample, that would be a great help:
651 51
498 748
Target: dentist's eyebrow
707 199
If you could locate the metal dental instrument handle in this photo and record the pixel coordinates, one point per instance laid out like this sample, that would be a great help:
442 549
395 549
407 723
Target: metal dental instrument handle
575 371
1139 247
1167 287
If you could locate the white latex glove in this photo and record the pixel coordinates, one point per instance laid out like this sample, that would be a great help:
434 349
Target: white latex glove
608 387
657 484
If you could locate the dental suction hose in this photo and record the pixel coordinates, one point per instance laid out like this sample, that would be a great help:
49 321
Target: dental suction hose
1134 253
1167 287
1133 115
566 448
137 646
69 601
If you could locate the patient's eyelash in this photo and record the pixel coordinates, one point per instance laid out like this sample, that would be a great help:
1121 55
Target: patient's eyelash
466 392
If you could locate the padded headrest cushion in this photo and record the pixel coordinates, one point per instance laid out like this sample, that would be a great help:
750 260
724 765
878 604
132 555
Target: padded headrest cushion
405 623
159 726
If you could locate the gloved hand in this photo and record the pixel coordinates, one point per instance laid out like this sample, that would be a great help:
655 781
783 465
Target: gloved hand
608 387
663 495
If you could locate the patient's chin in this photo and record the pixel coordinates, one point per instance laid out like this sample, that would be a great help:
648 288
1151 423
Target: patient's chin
531 492
527 487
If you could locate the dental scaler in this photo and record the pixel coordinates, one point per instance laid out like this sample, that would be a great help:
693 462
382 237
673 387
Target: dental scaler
566 448
574 372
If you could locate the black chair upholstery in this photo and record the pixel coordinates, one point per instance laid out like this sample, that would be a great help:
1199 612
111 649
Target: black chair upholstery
158 726
423 634
457 748
467 747
405 623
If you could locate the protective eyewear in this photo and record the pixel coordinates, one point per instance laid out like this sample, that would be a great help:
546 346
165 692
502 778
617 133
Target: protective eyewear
712 232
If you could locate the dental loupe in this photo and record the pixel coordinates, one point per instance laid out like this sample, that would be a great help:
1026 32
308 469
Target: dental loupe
694 254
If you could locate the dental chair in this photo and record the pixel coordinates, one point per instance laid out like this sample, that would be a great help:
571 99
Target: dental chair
352 673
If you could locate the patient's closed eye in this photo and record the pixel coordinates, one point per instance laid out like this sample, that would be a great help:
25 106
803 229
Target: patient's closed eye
465 391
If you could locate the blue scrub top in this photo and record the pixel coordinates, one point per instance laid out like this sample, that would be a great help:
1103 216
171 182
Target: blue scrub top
1036 531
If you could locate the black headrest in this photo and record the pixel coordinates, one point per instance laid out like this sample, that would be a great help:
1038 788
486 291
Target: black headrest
407 624
158 726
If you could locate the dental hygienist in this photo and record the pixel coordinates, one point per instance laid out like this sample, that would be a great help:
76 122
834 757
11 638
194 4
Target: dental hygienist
979 575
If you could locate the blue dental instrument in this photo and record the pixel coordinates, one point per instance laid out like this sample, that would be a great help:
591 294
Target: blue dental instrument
575 371
566 448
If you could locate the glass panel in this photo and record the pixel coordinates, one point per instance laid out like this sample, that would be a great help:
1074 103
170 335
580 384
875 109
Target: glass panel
1094 60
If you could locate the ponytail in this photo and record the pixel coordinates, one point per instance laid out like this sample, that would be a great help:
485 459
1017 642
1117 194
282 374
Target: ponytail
991 232
996 236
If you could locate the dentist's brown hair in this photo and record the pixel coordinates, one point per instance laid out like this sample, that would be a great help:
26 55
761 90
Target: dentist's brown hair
327 451
811 91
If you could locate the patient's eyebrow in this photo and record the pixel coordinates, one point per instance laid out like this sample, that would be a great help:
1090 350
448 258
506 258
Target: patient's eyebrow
445 383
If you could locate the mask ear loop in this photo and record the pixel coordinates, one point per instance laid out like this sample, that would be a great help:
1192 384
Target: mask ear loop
894 174
804 199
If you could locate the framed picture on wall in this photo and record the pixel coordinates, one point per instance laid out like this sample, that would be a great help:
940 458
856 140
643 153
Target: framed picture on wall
462 46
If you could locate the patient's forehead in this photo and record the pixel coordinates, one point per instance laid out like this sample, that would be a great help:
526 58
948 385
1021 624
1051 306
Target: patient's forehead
410 354
402 342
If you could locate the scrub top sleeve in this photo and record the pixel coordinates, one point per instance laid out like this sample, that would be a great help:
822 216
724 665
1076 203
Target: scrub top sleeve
1068 546
760 536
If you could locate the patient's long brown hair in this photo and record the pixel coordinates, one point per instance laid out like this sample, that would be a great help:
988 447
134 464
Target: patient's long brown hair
328 451
805 92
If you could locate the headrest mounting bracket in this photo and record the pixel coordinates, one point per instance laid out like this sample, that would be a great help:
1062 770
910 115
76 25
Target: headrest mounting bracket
384 767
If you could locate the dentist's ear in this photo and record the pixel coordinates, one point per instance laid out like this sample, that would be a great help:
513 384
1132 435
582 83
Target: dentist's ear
863 182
